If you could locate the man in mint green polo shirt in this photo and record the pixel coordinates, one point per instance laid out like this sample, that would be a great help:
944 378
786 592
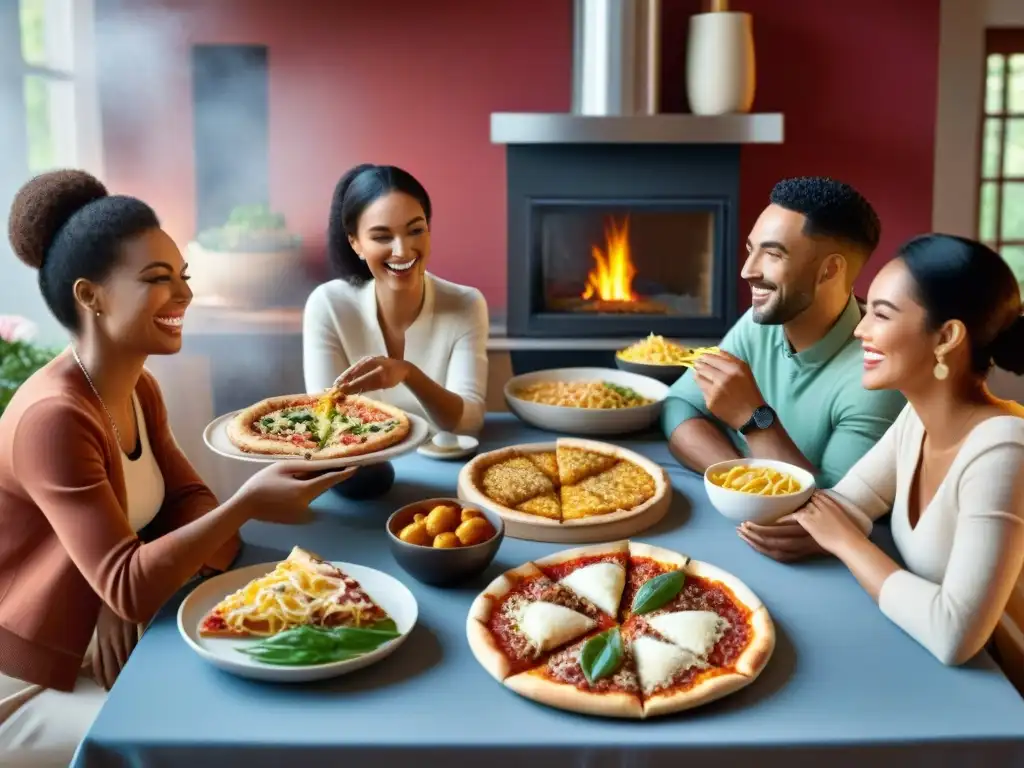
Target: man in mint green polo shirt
787 384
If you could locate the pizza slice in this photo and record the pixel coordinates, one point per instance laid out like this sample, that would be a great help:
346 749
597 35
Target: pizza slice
546 505
353 424
744 637
302 590
562 682
579 459
514 480
624 485
522 616
671 678
547 462
596 573
646 563
578 503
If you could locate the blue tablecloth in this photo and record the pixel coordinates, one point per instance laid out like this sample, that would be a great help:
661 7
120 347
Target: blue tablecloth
844 687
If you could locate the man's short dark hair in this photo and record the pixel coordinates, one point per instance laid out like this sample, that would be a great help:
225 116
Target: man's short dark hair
832 208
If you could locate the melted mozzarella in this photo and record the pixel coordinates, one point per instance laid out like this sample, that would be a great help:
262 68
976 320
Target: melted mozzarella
547 625
694 631
657 663
600 583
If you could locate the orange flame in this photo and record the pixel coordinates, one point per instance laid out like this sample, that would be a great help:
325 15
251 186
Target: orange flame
611 279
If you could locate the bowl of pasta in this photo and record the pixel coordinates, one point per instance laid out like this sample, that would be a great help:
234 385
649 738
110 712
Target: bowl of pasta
659 358
586 401
757 490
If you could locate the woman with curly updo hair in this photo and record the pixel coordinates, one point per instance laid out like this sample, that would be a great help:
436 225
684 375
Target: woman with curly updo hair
102 518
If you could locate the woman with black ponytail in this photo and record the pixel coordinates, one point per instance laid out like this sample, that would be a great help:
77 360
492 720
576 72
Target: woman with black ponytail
387 327
940 316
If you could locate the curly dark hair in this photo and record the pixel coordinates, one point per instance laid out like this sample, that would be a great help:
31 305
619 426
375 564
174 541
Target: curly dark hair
357 189
67 226
832 209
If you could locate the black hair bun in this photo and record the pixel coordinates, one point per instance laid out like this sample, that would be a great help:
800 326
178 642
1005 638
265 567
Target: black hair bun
44 205
1008 347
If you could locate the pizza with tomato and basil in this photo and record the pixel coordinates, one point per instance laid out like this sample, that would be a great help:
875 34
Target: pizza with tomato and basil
621 630
327 426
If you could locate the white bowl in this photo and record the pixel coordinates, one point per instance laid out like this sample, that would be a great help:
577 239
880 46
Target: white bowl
588 421
750 508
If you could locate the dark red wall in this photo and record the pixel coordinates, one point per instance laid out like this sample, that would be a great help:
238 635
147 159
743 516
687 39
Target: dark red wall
413 84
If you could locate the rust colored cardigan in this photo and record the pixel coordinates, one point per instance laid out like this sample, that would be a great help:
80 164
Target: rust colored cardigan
65 541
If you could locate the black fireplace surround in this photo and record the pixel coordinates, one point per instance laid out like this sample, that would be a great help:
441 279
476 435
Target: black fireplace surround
671 187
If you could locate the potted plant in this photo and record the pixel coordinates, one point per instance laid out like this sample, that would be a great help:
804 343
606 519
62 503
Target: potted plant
19 356
251 259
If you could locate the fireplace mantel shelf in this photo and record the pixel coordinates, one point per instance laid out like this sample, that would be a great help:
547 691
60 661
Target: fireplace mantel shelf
566 128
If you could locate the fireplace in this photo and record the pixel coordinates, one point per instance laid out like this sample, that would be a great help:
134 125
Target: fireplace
618 241
622 219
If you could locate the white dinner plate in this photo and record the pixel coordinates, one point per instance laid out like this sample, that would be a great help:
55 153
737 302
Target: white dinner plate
387 591
216 438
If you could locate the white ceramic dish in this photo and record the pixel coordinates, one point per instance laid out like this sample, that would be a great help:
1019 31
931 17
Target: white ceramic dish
747 507
588 421
216 438
387 591
465 445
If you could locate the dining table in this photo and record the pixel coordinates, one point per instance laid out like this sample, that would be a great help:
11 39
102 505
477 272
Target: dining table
843 687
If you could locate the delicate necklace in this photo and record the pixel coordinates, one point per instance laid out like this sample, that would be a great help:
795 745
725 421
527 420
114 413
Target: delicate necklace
92 386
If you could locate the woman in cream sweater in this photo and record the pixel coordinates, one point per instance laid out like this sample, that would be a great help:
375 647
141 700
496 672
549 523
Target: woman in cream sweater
950 468
388 328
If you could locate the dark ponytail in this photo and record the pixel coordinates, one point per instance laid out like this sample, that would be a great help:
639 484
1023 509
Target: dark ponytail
357 189
961 279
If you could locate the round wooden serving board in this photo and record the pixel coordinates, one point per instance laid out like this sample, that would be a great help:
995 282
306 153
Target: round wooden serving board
607 527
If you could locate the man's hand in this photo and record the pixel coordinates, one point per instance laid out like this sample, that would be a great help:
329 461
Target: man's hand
785 540
728 386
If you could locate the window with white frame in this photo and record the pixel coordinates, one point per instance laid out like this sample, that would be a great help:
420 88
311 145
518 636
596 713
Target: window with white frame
1001 189
59 111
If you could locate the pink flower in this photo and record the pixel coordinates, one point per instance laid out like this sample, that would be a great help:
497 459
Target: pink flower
15 328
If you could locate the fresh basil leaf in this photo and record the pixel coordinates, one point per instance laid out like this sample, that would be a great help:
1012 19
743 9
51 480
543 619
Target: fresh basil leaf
385 625
658 591
320 645
601 656
297 657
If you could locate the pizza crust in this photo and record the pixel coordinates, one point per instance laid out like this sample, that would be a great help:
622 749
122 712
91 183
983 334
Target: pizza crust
552 693
591 550
659 554
757 653
704 692
485 649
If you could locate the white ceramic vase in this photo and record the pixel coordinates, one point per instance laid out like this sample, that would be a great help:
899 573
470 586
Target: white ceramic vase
720 71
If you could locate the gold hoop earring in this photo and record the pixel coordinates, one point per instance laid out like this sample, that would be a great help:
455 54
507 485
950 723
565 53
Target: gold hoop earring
941 370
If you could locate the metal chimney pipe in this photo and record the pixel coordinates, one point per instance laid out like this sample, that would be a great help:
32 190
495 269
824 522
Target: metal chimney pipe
616 57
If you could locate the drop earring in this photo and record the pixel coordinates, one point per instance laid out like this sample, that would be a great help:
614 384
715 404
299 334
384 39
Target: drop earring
941 370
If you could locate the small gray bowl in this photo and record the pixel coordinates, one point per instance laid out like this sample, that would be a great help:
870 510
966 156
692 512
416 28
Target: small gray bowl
666 374
442 567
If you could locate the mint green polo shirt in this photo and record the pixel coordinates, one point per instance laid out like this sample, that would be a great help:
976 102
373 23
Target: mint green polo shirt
816 393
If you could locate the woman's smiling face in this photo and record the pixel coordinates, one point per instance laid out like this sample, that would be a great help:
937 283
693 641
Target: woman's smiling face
393 238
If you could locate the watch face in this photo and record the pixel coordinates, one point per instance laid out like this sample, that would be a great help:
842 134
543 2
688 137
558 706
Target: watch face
764 417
